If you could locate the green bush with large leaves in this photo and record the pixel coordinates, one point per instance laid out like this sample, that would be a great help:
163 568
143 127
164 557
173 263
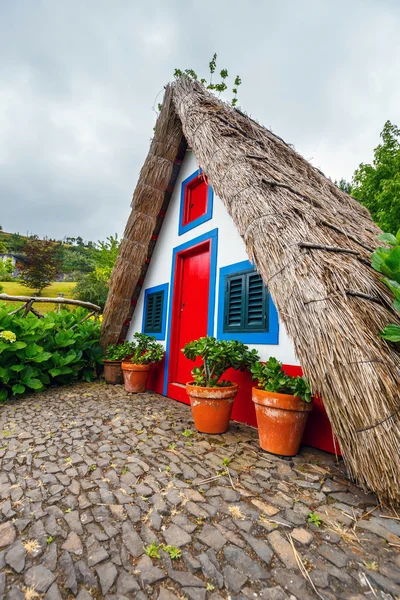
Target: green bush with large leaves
217 357
386 260
36 353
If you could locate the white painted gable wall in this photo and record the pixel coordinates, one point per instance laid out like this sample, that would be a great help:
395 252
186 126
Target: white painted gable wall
231 250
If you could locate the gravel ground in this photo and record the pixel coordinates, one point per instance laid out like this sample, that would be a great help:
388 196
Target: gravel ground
94 480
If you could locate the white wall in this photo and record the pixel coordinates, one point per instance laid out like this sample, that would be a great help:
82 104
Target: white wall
231 250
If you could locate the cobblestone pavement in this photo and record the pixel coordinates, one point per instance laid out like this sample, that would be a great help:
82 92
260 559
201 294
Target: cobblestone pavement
90 477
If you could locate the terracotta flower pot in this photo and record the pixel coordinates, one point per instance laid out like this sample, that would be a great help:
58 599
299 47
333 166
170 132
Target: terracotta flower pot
112 371
135 376
281 419
211 407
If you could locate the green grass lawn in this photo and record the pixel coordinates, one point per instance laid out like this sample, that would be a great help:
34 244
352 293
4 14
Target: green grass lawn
17 289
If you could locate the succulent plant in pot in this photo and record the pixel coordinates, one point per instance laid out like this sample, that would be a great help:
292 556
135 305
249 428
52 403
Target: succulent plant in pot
145 351
211 397
113 357
282 404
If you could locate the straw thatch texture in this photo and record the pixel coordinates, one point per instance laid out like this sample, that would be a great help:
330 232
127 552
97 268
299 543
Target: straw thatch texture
150 201
311 243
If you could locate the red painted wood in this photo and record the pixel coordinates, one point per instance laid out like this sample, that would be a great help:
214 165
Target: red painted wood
155 381
195 200
318 432
189 309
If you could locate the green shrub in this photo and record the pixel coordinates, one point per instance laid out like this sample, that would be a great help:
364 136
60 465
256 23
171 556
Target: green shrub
272 378
386 260
218 356
36 353
93 287
145 350
118 351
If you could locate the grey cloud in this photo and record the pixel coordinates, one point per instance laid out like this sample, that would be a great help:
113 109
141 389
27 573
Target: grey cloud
78 81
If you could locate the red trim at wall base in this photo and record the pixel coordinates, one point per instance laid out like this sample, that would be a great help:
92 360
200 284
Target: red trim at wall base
318 433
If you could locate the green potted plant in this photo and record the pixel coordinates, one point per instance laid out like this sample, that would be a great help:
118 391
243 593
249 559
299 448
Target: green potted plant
144 352
113 357
282 405
211 397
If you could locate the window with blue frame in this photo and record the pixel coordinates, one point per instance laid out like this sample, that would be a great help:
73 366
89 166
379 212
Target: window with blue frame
245 308
196 202
155 311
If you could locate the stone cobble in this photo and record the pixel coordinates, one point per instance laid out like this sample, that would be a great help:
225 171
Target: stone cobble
109 495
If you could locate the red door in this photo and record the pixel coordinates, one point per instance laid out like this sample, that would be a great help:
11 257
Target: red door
189 313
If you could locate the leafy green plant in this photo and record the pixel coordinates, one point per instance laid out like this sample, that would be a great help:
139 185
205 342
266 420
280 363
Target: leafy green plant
218 356
145 350
49 539
118 351
226 461
152 550
36 353
314 519
272 378
173 551
386 260
377 185
187 432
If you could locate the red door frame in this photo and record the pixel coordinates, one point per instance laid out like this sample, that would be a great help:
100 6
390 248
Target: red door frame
205 241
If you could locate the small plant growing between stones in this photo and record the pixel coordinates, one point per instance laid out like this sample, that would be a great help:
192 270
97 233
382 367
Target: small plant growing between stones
124 471
68 510
152 550
210 587
31 545
68 459
171 446
314 519
226 461
371 565
187 432
49 539
236 513
93 467
30 593
173 551
167 468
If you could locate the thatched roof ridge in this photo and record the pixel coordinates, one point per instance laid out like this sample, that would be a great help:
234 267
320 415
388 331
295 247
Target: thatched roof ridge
311 243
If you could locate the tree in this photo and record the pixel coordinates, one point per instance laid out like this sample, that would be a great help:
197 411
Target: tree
6 269
344 185
377 186
42 264
94 286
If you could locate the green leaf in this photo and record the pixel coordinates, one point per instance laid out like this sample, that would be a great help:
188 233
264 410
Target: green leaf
35 384
17 345
388 238
393 260
54 372
42 357
3 395
391 333
17 368
18 388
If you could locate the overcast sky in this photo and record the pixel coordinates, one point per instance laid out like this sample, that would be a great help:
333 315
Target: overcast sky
79 78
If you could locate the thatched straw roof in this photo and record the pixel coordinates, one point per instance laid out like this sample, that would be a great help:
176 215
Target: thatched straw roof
311 243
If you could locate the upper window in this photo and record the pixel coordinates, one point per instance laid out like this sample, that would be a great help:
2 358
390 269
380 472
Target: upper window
154 311
246 311
196 202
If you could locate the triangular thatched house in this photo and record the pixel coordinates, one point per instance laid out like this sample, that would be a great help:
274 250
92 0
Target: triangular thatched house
310 242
